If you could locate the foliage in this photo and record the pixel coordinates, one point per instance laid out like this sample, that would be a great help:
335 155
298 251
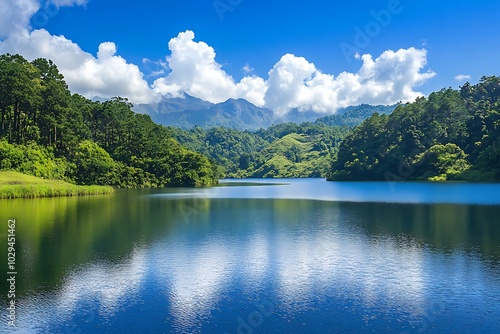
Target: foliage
32 159
449 135
93 164
47 132
441 162
17 185
282 150
354 115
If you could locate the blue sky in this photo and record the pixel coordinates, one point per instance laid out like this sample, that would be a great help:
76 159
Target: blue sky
458 38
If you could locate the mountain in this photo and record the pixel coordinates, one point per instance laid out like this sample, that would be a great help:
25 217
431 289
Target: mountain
174 105
297 116
354 115
188 111
239 114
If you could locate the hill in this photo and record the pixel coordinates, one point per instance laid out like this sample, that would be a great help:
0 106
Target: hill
48 132
451 135
282 150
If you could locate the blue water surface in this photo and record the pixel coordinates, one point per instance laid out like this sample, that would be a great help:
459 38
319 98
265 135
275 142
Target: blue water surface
260 256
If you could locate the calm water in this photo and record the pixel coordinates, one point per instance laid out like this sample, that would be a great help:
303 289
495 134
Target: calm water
294 256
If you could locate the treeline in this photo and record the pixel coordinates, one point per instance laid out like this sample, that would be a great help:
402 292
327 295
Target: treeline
47 131
354 115
282 150
451 135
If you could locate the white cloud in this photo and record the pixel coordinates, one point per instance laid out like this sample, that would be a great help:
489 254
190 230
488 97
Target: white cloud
195 71
286 83
247 69
106 75
15 15
462 77
191 68
296 83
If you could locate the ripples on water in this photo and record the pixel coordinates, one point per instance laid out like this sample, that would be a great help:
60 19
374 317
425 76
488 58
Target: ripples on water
194 261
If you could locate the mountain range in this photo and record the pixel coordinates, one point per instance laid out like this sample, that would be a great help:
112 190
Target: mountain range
188 111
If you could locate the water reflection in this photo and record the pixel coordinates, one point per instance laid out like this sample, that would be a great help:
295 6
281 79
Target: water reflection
142 261
193 276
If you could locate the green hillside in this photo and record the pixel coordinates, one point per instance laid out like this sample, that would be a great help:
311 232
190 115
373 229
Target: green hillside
450 135
294 155
283 150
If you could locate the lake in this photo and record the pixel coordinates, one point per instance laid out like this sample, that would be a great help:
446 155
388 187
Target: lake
259 256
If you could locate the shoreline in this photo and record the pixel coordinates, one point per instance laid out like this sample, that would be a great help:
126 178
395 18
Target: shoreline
18 185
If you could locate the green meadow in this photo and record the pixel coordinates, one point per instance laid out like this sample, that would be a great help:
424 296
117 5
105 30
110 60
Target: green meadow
18 185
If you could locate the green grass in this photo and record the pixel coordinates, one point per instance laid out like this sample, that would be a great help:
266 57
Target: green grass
294 155
18 185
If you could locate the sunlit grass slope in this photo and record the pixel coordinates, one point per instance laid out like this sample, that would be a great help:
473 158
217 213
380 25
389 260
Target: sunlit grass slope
18 185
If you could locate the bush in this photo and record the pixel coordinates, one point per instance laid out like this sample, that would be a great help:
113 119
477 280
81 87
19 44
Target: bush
93 164
34 160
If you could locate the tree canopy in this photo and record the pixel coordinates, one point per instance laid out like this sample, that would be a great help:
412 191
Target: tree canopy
450 135
94 142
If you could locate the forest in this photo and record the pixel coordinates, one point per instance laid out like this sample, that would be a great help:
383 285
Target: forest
450 135
48 132
281 150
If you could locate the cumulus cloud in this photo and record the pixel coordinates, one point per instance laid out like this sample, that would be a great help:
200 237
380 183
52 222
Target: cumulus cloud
106 75
191 68
462 77
296 83
15 15
195 71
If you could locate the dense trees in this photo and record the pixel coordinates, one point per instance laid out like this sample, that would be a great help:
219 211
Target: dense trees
282 150
449 135
43 125
48 132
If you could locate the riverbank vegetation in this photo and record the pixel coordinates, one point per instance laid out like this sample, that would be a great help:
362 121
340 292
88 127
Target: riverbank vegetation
18 185
450 135
48 132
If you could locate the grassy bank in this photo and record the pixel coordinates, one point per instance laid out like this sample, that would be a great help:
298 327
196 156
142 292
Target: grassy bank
18 185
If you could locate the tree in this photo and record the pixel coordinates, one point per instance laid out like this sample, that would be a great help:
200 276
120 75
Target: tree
93 164
441 162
